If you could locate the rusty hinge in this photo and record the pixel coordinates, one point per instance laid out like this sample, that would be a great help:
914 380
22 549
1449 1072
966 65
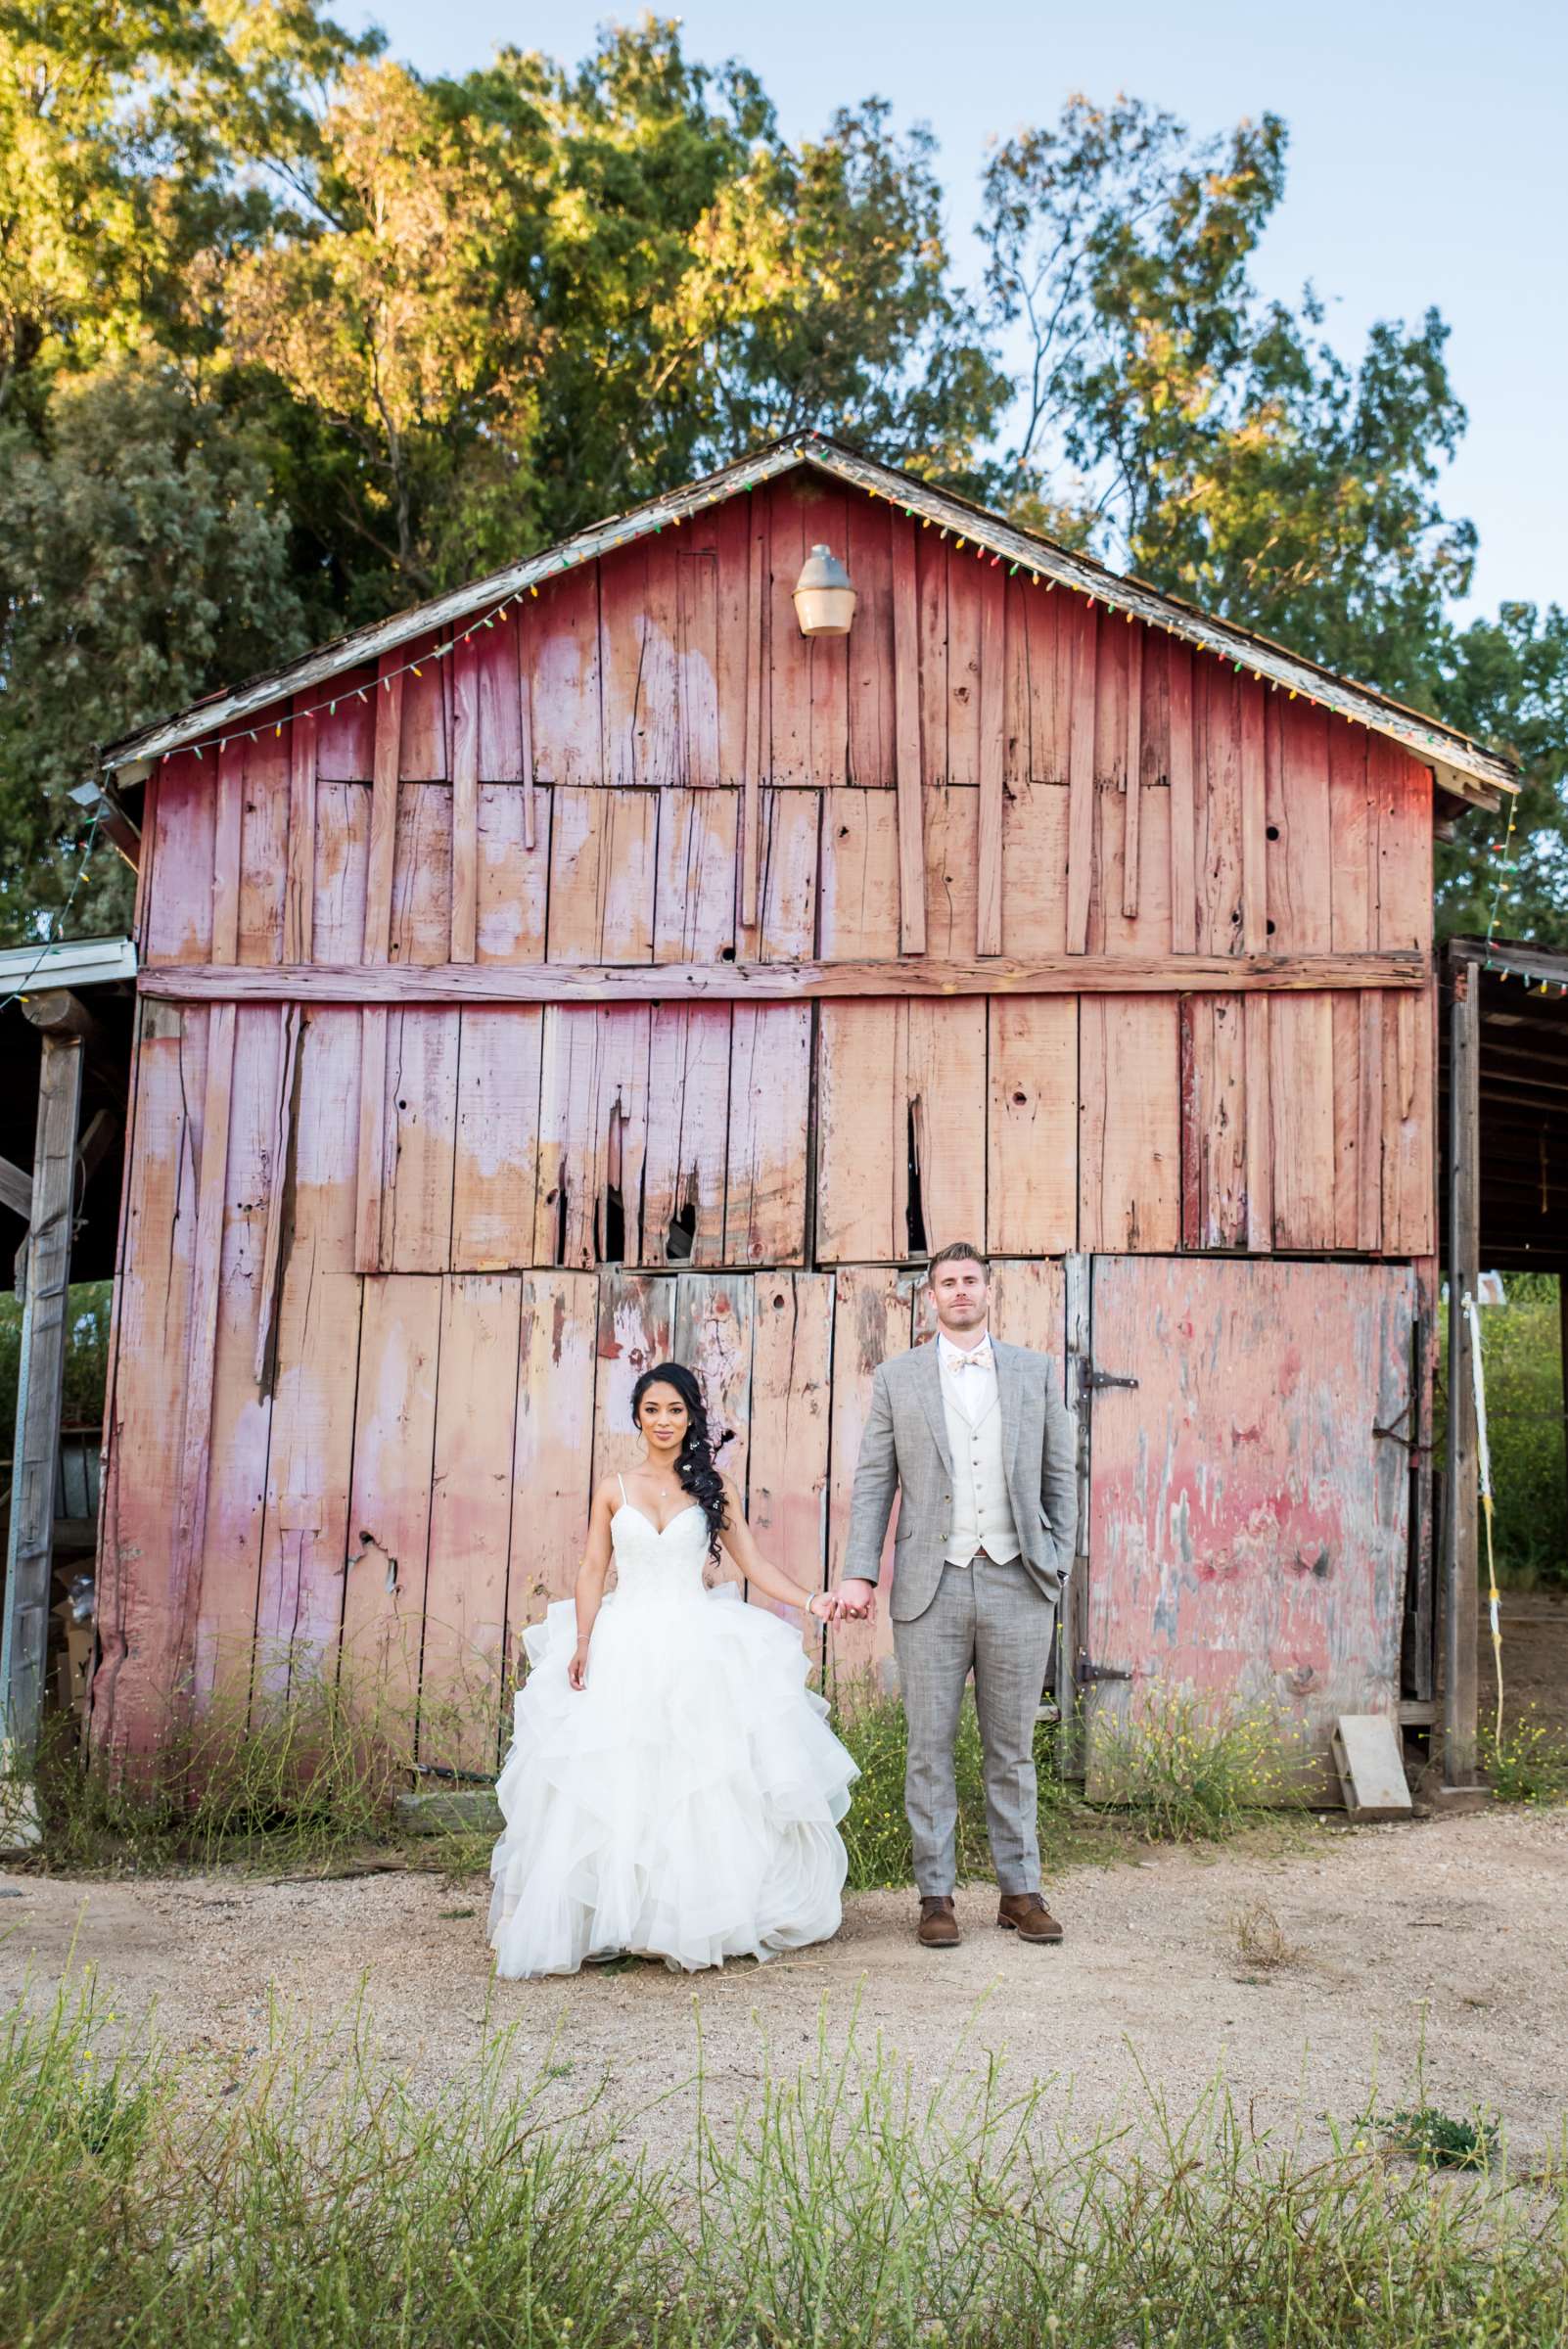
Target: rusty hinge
1090 1378
1084 1673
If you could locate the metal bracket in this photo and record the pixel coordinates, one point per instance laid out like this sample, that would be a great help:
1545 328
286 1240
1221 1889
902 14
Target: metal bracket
1085 1673
1391 1432
1090 1378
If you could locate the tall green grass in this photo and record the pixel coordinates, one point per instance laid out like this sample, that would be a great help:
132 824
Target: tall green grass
314 2197
1521 1355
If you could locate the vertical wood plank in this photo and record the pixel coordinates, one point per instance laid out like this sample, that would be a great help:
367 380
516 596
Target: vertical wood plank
603 849
992 754
1080 779
863 1138
1217 788
465 664
300 885
132 1689
930 589
513 875
942 1047
727 530
788 757
952 872
242 1403
178 903
963 664
688 1133
420 1141
1131 874
638 631
305 1530
341 870
769 1126
1214 1124
502 720
873 753
1301 1091
1032 1125
1251 766
496 1142
425 750
860 876
791 1386
560 644
525 728
1130 1124
470 1523
346 730
1184 805
389 1500
697 667
694 888
280 1104
1028 1307
552 1458
380 868
786 927
1035 906
823 507
422 883
758 716
871 1319
228 824
593 1124
906 742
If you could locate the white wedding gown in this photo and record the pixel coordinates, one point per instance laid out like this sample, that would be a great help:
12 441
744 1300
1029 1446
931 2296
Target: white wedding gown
684 1804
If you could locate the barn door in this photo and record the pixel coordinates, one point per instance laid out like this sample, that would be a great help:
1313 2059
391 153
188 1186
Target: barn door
1246 1524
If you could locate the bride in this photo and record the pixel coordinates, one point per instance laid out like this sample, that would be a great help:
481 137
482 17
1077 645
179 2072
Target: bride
673 1787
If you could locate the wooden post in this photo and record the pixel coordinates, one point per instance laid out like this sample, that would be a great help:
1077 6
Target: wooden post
1460 1593
1072 1627
66 1027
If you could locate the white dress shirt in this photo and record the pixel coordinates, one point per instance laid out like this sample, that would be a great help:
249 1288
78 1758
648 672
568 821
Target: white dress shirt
982 1509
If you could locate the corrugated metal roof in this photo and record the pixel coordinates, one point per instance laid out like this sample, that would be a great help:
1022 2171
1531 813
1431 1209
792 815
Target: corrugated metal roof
1460 764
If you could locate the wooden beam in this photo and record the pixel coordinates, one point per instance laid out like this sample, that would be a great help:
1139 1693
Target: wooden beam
16 1190
906 742
1461 1598
25 1636
408 983
1132 843
993 751
1080 781
465 801
299 883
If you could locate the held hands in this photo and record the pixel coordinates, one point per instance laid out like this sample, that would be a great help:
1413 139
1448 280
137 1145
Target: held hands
855 1602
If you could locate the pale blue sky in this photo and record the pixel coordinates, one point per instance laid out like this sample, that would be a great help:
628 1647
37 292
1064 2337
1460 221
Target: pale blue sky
1429 163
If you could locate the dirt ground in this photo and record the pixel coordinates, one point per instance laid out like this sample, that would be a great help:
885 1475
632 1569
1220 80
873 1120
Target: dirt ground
1460 1920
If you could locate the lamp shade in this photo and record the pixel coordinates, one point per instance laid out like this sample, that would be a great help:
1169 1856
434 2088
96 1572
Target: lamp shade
824 599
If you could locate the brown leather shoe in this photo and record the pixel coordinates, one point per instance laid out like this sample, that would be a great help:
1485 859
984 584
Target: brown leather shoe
1026 1914
938 1928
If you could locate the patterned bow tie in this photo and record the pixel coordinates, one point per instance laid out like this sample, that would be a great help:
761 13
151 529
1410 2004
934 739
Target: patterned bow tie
978 1360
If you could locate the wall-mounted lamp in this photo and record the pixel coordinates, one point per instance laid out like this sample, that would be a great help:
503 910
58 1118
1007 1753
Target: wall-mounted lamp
824 600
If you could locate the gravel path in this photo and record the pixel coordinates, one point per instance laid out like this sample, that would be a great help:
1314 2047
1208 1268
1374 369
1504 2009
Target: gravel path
1464 1918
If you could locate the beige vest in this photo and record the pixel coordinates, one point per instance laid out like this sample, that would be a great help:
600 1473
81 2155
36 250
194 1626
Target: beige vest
982 1513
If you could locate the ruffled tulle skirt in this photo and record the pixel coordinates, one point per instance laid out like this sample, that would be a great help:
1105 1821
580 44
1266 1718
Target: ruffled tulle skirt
684 1805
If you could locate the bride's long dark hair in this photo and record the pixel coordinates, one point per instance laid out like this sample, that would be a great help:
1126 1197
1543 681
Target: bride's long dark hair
694 1464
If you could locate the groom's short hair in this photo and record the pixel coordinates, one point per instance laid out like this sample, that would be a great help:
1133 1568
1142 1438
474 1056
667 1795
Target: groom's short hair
958 1252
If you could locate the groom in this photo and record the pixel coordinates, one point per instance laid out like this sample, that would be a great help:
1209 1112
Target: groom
975 1438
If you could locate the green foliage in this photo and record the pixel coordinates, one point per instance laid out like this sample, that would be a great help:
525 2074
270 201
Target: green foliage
89 1305
312 2192
1505 682
1521 1357
1528 1763
1190 1771
1440 2140
142 553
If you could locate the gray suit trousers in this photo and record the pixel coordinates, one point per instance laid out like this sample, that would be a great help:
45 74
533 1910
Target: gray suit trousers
996 1621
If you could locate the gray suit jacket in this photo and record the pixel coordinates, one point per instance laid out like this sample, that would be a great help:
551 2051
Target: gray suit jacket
904 1450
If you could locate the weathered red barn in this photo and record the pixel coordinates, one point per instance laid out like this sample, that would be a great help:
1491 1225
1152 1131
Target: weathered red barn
588 966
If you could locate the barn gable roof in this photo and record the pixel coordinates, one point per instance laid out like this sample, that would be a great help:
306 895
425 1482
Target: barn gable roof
1462 766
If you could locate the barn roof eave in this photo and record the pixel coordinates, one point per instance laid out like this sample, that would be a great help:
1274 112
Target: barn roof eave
1463 770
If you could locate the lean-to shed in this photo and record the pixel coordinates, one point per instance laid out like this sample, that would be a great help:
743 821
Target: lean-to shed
587 967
